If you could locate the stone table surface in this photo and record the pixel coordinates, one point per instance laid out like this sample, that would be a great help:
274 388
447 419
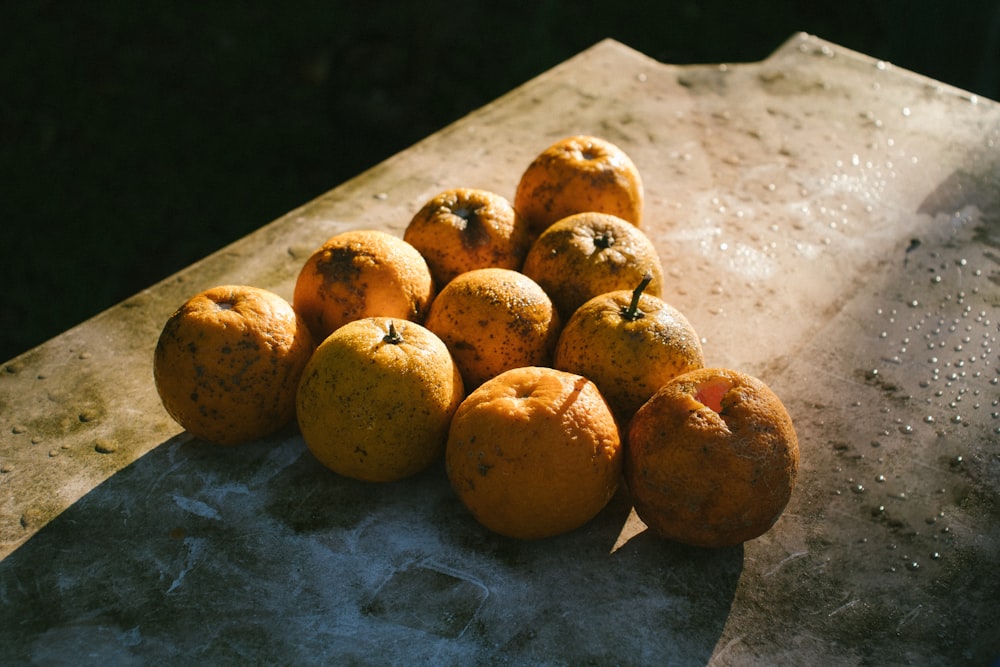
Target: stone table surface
828 222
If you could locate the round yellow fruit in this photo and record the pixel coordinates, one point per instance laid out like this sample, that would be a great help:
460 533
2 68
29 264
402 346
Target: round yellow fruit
629 344
376 399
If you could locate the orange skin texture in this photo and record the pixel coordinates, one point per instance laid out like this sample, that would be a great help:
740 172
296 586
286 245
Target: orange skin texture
628 359
362 273
573 261
493 320
376 410
228 361
711 459
464 229
534 452
577 174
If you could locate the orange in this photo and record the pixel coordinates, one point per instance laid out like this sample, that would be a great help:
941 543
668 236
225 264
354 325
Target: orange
534 452
493 320
588 254
577 174
711 459
464 229
376 399
228 361
629 344
362 273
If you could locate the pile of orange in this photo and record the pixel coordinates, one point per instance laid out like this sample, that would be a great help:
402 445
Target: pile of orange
526 344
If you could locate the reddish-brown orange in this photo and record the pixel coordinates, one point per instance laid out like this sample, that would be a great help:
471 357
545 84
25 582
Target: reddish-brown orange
712 458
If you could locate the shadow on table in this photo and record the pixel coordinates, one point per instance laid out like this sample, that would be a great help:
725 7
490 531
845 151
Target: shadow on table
258 553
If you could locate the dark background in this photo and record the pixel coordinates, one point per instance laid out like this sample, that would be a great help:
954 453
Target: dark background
138 137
